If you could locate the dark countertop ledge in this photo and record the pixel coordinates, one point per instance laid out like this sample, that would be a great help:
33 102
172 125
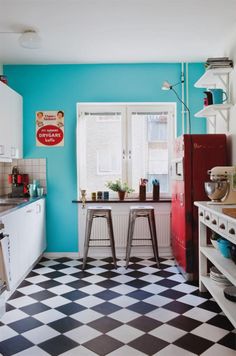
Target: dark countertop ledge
147 201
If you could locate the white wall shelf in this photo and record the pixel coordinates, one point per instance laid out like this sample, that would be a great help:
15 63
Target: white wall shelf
217 292
226 265
215 78
212 77
210 112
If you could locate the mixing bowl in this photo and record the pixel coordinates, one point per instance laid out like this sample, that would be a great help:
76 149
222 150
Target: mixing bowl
216 190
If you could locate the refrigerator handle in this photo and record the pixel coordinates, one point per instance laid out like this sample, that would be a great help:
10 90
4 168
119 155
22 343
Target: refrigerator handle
177 171
181 199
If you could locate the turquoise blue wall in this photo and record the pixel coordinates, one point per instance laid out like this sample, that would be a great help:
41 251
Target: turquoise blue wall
60 87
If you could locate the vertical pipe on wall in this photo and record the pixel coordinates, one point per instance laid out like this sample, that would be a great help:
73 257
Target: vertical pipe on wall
187 98
182 97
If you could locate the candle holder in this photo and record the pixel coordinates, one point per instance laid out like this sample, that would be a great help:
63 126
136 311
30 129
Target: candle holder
83 197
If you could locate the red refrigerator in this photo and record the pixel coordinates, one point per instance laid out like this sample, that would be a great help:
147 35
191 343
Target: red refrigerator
193 156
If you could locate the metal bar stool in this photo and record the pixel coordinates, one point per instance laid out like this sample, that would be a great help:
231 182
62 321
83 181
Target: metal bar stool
146 212
98 212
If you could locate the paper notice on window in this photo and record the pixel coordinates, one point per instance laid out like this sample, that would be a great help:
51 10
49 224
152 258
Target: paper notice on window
50 128
108 162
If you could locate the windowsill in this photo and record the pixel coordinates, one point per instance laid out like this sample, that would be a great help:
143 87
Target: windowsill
127 200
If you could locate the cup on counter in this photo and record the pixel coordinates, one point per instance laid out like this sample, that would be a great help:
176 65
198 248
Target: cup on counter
36 183
40 191
94 196
105 195
32 190
99 195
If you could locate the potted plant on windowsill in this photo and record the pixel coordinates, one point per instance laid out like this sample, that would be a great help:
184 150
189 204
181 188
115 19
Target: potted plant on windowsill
120 188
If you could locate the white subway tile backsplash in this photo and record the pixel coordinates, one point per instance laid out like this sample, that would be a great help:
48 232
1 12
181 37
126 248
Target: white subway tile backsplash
36 168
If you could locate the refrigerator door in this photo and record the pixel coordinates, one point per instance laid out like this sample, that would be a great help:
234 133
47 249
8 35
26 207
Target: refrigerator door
199 153
208 151
181 207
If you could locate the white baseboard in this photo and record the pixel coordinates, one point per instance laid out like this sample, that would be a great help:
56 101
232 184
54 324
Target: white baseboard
103 252
61 254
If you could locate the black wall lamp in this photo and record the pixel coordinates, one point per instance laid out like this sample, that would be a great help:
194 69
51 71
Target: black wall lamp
167 86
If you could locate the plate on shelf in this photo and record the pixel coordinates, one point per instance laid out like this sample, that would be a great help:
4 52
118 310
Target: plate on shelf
230 293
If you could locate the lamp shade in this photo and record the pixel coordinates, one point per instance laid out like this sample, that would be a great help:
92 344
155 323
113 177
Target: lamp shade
166 86
30 39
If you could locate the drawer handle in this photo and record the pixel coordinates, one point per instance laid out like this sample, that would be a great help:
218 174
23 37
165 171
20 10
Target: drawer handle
207 217
232 231
201 213
213 222
222 226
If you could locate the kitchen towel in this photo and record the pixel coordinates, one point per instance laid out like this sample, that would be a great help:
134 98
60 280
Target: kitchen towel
5 258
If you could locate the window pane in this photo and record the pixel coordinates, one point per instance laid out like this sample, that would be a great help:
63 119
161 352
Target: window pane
103 150
150 155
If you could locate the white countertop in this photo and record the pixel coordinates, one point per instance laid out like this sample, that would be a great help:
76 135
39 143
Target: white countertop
216 208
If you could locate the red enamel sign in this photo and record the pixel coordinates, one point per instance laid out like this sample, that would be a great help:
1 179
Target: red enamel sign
50 135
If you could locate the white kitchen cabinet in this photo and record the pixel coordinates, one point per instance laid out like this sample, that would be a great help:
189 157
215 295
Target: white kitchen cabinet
26 229
10 124
209 253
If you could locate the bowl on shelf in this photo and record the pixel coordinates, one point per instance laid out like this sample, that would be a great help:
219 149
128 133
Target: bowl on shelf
214 238
218 277
230 293
216 190
232 251
224 247
215 243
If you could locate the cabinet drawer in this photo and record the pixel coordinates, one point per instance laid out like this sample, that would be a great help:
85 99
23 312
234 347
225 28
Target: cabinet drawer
207 217
201 214
223 225
231 230
214 221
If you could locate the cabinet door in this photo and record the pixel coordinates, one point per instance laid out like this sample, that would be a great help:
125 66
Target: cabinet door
5 125
27 234
34 230
16 126
15 253
26 228
10 123
37 241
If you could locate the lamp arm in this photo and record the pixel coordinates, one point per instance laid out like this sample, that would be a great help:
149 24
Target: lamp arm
189 121
182 81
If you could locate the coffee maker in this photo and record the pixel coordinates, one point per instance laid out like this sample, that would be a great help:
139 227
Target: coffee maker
19 183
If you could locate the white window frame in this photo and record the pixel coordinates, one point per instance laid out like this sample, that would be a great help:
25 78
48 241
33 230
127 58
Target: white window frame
126 110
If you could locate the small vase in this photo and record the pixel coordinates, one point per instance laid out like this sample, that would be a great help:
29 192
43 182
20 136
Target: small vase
142 192
121 194
156 192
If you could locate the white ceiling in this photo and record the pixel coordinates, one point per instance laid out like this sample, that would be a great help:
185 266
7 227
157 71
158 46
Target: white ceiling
116 31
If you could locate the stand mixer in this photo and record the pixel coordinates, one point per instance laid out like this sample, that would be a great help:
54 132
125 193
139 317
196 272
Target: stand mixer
222 188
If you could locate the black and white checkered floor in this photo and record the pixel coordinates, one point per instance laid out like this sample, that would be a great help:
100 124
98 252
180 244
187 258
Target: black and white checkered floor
60 310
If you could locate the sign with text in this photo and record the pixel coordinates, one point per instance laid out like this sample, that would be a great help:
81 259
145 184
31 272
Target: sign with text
50 128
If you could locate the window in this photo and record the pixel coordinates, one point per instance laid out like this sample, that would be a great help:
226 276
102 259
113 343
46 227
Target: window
126 142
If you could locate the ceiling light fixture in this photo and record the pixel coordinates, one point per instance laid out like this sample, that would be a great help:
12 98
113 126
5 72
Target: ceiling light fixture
167 86
28 39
